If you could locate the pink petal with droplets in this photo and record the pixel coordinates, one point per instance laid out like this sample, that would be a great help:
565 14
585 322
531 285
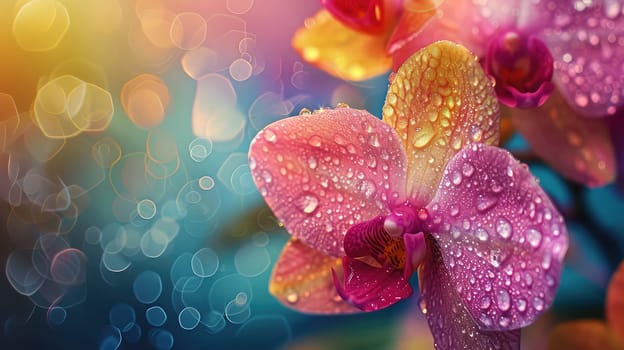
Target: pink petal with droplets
371 288
502 239
322 173
451 323
586 41
615 302
302 280
578 148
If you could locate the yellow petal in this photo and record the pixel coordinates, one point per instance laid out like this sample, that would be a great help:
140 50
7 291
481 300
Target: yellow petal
439 101
341 51
302 280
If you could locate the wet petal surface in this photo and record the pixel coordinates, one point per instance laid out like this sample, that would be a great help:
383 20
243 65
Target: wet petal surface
587 40
451 323
323 173
302 280
439 101
577 147
502 239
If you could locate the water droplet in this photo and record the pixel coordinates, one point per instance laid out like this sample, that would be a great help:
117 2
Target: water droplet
486 203
423 214
292 297
456 178
315 141
342 105
456 143
422 138
270 135
367 187
538 303
534 237
521 304
467 169
423 306
504 321
481 234
312 162
503 228
476 133
308 203
454 210
305 111
503 300
485 302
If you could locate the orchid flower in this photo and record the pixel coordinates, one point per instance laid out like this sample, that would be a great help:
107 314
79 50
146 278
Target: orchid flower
354 40
368 202
595 334
533 49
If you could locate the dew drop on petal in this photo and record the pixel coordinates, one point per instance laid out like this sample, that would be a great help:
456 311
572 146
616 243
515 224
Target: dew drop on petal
315 141
486 203
481 234
503 300
467 169
485 302
503 228
521 304
308 203
538 303
534 237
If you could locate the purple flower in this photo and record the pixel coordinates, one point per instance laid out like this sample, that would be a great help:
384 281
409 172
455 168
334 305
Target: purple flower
371 201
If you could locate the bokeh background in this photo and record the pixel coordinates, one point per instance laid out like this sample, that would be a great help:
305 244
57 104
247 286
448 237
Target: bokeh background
129 216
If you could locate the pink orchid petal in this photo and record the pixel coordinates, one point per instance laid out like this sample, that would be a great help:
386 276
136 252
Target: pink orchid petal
615 302
302 280
371 288
502 239
438 101
578 148
451 323
322 173
585 40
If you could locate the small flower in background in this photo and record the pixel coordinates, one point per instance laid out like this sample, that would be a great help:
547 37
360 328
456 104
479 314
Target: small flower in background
368 202
354 40
531 49
596 334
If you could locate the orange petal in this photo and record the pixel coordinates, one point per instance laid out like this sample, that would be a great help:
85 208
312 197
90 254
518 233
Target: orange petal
416 15
583 335
438 101
615 302
302 280
579 148
341 51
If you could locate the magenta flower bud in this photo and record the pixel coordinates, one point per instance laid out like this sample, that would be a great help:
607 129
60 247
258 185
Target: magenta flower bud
522 68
